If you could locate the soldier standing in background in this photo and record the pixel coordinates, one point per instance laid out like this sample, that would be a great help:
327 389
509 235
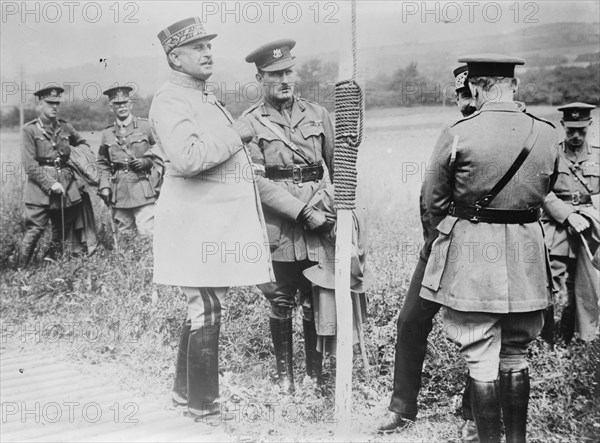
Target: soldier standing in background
51 192
415 320
563 218
129 174
291 148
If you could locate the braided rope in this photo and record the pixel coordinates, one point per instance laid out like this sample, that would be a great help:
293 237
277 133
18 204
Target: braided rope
349 113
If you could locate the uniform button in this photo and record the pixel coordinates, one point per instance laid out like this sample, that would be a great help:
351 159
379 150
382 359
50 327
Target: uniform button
292 130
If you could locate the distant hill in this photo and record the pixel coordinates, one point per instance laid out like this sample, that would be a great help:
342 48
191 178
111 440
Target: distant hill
545 45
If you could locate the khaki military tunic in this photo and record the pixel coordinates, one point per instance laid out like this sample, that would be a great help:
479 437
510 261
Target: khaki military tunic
569 194
309 127
45 155
120 145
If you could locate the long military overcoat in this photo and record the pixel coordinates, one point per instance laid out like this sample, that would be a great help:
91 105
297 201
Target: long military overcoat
489 267
208 227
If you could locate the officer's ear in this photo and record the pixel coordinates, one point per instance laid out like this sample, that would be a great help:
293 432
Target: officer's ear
562 123
473 90
259 77
173 59
515 84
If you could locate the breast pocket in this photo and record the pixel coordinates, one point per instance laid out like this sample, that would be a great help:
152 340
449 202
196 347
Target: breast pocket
139 144
314 136
273 149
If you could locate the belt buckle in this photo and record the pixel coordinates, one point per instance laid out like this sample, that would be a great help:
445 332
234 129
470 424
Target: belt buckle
56 163
576 198
297 174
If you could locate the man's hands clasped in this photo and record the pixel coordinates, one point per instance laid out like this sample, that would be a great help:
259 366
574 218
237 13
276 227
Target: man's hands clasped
315 220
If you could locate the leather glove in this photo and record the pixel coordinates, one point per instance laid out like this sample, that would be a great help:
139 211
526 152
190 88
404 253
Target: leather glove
578 222
105 195
314 219
140 164
243 130
57 188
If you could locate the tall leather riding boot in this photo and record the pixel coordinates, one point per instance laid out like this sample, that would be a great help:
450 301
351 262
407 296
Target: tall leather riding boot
485 404
567 323
203 370
281 332
30 240
514 394
547 333
180 384
314 359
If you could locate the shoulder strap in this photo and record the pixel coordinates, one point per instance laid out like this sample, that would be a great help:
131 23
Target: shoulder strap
286 141
493 193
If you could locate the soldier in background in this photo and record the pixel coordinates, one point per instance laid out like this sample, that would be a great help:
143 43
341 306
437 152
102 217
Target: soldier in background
129 173
291 148
51 192
415 320
564 211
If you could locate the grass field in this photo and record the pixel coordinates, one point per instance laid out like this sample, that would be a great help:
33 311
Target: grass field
126 328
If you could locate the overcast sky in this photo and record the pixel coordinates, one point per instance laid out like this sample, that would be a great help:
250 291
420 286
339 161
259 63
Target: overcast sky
42 36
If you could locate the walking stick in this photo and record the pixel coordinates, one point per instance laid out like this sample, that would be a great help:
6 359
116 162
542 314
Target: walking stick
112 227
62 220
348 135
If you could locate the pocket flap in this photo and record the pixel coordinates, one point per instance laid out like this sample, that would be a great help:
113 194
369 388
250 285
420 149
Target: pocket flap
447 224
311 130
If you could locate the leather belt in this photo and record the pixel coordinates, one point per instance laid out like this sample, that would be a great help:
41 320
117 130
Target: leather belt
55 162
489 215
576 198
298 174
120 167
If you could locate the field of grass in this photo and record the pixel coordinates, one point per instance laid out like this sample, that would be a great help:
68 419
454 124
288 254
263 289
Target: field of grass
104 314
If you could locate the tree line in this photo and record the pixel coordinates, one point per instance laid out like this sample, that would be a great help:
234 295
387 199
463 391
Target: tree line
407 86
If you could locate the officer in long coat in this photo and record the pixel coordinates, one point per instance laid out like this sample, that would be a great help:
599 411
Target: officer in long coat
577 183
488 265
292 150
128 172
415 320
51 192
209 230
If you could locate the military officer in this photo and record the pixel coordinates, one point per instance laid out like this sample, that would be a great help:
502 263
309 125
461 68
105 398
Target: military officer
578 181
51 191
292 149
128 172
415 320
462 93
209 230
487 218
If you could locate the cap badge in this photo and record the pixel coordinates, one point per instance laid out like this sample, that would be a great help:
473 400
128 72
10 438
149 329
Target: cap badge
277 53
575 114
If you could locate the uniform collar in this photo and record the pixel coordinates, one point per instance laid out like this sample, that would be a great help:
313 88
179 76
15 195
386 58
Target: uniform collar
295 108
126 122
582 155
500 106
182 79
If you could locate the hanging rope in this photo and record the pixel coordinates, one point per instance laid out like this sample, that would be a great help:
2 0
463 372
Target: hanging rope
349 115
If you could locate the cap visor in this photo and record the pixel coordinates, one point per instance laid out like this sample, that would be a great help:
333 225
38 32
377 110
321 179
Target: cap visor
280 66
578 124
